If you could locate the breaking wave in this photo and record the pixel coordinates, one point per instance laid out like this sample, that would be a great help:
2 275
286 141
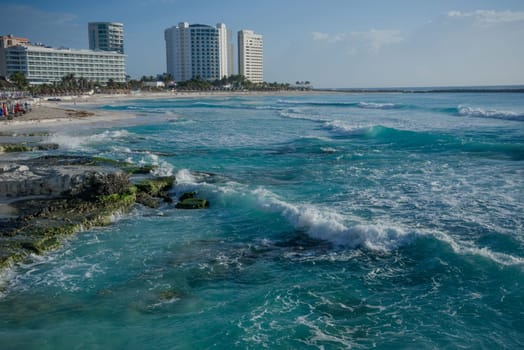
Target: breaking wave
467 111
373 105
361 104
467 248
324 224
78 142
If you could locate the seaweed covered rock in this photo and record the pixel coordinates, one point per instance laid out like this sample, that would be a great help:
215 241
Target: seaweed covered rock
102 184
24 147
189 201
151 191
79 194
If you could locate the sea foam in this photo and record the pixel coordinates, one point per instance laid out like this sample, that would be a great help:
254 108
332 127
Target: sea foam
468 248
325 224
79 142
468 111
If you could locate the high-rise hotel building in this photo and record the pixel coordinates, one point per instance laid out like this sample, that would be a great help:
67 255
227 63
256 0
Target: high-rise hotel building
106 36
42 64
251 56
197 50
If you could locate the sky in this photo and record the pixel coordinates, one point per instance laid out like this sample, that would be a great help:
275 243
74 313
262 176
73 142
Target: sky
331 43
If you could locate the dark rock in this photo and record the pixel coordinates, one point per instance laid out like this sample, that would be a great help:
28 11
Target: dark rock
192 203
102 184
147 200
156 186
187 195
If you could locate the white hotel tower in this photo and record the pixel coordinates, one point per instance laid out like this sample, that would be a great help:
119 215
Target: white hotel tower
197 50
106 36
251 56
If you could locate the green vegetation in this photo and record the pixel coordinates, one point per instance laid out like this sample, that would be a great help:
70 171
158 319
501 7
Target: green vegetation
233 82
189 201
156 186
70 84
19 79
43 222
11 148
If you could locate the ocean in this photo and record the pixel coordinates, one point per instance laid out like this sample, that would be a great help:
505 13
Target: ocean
337 221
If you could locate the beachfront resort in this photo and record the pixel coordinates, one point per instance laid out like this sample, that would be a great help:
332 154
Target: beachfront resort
197 54
193 51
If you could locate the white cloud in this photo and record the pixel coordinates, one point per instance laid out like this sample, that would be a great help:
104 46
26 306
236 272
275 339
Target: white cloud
373 40
489 16
320 36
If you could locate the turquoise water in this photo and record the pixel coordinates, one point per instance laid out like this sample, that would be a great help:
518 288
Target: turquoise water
389 221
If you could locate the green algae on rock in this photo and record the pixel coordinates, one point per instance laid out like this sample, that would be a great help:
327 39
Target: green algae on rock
90 194
189 201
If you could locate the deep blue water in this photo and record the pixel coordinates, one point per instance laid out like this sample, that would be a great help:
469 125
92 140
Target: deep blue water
389 221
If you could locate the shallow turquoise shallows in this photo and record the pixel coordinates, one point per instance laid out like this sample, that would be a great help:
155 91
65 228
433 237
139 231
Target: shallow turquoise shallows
388 221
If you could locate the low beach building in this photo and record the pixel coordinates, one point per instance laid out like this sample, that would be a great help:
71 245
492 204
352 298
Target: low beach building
42 64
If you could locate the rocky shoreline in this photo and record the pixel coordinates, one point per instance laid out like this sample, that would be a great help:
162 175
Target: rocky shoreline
51 197
45 198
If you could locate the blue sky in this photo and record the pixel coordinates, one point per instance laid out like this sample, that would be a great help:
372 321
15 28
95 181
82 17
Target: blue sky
332 43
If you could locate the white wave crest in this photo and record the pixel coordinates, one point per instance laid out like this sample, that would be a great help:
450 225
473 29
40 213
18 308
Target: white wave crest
468 111
374 105
343 128
77 142
184 177
162 168
466 248
298 114
324 224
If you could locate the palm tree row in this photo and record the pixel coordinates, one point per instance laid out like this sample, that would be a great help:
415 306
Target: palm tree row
70 84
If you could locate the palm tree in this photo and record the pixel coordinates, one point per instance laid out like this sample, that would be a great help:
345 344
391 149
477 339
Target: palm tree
19 79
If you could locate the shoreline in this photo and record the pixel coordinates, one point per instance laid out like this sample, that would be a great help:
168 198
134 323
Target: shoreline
72 110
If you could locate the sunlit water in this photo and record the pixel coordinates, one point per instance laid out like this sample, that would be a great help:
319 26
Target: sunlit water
337 221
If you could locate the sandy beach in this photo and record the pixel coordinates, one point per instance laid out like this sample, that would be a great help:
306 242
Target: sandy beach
69 111
72 110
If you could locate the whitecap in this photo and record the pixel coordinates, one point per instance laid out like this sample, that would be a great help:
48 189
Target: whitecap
489 113
162 168
327 225
79 142
299 114
184 177
343 128
468 248
374 105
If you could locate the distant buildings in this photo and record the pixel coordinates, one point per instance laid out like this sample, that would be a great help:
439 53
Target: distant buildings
106 36
197 50
207 52
251 56
42 64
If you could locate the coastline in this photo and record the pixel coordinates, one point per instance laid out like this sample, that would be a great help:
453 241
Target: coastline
46 198
72 110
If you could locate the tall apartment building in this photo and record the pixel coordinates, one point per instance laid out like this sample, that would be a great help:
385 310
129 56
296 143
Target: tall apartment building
251 56
106 36
197 50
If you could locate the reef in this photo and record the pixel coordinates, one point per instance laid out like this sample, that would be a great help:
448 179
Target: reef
188 201
48 198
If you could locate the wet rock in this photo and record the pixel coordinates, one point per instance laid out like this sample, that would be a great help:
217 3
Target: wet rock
73 193
188 201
